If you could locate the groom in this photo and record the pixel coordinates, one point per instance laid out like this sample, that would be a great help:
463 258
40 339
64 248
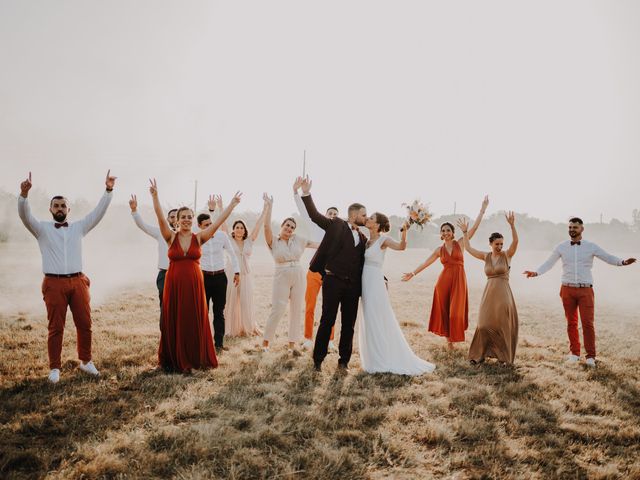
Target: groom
339 259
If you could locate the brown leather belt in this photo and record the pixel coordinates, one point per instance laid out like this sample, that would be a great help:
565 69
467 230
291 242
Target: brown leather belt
217 272
65 275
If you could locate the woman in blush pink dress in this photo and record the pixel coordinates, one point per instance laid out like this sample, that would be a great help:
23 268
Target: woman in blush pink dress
238 314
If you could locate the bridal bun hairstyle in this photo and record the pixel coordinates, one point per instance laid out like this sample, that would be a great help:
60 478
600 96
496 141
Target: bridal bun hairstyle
289 219
383 222
447 224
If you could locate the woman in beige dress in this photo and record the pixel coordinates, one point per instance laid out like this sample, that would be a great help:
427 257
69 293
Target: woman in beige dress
497 331
238 312
289 281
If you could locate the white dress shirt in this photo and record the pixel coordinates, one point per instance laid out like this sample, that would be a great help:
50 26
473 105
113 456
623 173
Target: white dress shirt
213 250
577 261
61 248
153 231
316 234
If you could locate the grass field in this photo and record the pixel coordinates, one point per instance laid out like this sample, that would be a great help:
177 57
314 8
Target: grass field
271 416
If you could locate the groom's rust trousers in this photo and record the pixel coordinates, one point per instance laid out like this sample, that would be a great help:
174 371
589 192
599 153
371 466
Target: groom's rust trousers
58 294
576 299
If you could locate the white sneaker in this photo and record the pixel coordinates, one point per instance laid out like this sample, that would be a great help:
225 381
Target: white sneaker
332 346
54 375
89 368
307 345
591 362
571 358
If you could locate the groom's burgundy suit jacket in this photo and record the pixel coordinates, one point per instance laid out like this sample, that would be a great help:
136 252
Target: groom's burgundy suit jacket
337 252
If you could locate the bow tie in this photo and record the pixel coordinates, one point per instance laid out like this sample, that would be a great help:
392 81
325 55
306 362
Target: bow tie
58 225
575 243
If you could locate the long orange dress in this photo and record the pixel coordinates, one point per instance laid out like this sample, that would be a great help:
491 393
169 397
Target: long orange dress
185 339
450 309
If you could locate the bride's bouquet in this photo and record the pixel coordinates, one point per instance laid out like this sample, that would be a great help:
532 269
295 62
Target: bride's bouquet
417 213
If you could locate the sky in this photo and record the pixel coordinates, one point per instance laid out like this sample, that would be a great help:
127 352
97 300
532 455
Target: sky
534 103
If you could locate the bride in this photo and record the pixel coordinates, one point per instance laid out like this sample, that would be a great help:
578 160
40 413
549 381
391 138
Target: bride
382 345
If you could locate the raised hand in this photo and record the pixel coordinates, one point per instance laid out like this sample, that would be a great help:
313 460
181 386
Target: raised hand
26 186
153 189
463 223
236 199
211 203
133 203
110 181
530 274
511 218
485 203
218 200
306 185
297 184
268 201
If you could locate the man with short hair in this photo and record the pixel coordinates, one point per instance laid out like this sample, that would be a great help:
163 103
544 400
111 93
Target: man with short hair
212 263
64 285
314 279
163 248
577 287
340 259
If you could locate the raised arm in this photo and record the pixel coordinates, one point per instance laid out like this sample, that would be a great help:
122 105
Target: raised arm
511 219
402 244
137 218
432 258
165 230
217 209
476 223
93 218
24 211
207 233
316 217
255 231
268 232
464 226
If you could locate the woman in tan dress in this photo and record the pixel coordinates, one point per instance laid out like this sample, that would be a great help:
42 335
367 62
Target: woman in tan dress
497 331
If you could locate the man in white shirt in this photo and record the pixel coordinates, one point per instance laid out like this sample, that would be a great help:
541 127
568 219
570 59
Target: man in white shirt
577 286
163 248
64 285
314 279
212 263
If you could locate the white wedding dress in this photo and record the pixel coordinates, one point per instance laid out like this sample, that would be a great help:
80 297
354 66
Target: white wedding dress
382 345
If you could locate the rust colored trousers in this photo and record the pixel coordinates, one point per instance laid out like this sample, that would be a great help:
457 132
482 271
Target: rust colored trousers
581 300
314 284
58 294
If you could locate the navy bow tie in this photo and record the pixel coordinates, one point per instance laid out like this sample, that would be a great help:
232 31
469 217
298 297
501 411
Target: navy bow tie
58 225
575 243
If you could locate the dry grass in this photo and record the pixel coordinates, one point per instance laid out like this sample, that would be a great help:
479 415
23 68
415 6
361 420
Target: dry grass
271 416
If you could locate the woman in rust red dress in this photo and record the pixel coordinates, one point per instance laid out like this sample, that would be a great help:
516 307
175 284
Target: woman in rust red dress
185 335
450 309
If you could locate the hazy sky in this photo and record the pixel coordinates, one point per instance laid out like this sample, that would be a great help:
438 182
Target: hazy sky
536 103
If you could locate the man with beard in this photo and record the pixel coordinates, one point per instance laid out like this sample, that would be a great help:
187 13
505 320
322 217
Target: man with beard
64 283
163 248
577 287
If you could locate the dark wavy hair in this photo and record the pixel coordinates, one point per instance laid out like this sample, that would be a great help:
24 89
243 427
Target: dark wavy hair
246 230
